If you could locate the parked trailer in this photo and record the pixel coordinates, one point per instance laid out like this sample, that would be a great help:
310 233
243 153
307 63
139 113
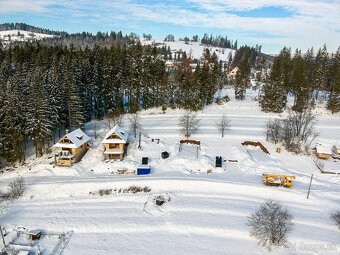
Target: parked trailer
278 180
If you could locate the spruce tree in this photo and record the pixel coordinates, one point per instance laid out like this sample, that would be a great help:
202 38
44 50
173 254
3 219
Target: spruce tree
334 83
12 123
242 78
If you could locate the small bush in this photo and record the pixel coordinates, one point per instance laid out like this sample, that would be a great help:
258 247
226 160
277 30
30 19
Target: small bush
146 189
336 218
106 192
270 224
132 190
136 189
16 188
222 100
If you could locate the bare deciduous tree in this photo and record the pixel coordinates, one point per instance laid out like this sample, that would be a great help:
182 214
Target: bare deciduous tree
297 129
270 224
223 124
115 118
336 218
188 124
274 130
134 123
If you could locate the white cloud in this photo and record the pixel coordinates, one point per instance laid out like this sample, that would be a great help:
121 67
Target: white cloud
313 22
23 6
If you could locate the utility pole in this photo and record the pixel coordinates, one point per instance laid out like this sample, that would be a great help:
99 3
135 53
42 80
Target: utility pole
310 184
140 138
95 128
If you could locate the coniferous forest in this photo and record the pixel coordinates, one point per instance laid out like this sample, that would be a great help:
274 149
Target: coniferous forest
63 82
47 86
304 76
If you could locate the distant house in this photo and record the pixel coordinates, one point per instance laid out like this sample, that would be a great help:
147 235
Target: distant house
169 65
323 152
233 72
115 143
71 148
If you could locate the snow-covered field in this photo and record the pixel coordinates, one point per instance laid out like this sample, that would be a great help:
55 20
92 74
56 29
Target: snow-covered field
20 35
195 49
207 213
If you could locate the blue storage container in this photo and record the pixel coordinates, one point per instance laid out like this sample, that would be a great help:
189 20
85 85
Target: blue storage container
142 170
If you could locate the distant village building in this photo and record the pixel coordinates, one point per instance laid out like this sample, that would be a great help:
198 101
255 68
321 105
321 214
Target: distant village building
323 152
169 65
233 72
71 148
115 143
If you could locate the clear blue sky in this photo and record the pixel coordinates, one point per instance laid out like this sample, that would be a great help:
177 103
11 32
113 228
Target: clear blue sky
271 23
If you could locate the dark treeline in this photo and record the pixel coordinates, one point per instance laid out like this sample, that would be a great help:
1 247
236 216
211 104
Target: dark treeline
304 76
87 40
25 27
44 89
214 41
219 41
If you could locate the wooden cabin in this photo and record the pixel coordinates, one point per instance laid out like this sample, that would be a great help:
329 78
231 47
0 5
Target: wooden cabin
71 148
115 143
323 152
34 235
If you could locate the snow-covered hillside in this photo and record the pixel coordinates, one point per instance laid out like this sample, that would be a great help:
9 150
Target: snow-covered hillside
196 49
207 213
9 36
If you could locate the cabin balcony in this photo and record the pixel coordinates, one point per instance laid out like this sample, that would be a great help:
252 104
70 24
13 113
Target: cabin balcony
64 158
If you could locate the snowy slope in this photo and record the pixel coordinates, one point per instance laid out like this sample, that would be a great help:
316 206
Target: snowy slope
9 36
207 213
196 49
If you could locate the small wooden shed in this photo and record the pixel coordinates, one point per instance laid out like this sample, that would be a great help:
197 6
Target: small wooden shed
71 148
323 152
115 142
336 149
34 235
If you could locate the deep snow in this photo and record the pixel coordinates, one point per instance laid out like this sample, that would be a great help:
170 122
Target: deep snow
207 213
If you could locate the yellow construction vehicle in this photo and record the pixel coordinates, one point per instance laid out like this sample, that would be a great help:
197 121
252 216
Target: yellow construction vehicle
278 180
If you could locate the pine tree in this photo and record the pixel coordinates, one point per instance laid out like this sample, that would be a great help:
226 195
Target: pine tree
242 78
274 91
75 107
41 116
334 83
299 83
12 123
321 62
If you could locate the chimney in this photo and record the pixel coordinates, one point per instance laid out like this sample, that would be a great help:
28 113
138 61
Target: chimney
66 131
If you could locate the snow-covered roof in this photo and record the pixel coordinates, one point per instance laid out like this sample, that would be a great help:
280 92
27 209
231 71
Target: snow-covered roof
323 149
34 232
234 70
23 253
77 138
122 136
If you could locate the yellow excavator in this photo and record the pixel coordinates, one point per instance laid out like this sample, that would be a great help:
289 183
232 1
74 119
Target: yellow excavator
278 180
